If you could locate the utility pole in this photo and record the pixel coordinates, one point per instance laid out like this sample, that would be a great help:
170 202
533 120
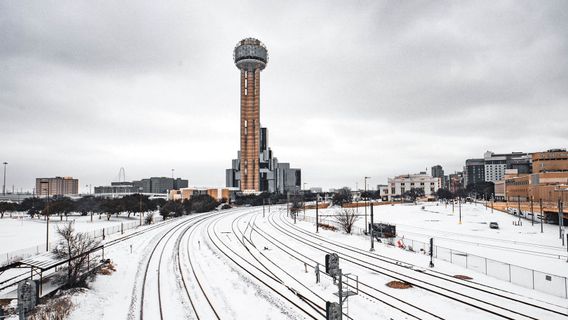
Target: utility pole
140 203
173 173
47 220
519 208
541 217
4 185
372 231
317 214
287 203
460 208
263 202
366 196
559 218
532 212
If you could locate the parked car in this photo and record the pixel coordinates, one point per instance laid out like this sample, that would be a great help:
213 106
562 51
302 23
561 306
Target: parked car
493 225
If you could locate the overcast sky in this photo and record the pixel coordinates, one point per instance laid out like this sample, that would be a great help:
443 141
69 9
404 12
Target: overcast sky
352 88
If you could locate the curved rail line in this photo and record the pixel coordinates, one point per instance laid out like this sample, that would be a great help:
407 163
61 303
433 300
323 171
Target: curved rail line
451 294
217 242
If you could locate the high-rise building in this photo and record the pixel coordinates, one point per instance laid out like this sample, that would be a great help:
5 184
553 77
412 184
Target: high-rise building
455 181
437 171
496 164
474 171
256 170
58 186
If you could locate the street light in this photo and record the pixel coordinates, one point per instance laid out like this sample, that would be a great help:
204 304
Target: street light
46 214
366 226
4 185
140 189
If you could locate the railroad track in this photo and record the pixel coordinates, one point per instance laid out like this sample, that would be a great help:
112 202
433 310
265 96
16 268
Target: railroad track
11 281
437 274
264 277
453 291
185 282
387 299
235 226
155 259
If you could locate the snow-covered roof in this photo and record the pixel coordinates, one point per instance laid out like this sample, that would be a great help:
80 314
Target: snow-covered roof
44 261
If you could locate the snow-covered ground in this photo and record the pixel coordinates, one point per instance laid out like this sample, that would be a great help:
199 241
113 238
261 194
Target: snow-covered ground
22 232
239 264
523 245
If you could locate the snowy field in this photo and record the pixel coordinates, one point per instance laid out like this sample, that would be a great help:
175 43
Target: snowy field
239 264
523 245
20 234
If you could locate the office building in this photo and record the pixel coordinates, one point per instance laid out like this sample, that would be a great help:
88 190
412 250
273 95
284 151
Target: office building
398 185
455 182
437 171
153 185
58 186
219 194
548 182
474 171
554 160
496 164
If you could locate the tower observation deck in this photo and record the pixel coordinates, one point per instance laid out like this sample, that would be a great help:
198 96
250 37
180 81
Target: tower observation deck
256 169
250 56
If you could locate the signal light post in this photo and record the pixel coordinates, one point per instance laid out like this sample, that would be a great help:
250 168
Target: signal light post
372 230
431 252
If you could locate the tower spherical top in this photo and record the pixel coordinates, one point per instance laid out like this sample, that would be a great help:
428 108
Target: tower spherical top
250 54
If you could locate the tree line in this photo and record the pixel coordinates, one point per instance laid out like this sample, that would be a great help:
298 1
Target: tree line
90 205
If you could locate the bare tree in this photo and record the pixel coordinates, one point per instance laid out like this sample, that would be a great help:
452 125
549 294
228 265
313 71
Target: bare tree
346 219
297 205
74 246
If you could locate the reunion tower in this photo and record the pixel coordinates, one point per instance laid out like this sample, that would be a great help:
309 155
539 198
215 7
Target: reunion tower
250 56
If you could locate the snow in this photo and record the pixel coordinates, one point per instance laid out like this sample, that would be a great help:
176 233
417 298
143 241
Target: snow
237 264
31 232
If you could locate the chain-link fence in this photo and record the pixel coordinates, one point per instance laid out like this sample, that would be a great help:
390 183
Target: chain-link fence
101 233
525 277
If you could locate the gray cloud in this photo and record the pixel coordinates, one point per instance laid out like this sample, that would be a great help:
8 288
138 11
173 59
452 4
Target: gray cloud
364 88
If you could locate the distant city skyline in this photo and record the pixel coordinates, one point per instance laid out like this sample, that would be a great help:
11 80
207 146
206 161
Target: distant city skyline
384 89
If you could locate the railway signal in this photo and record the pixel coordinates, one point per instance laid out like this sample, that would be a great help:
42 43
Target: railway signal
332 311
332 265
431 252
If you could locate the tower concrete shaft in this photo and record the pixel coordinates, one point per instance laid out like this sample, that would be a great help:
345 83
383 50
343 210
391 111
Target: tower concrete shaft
250 129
